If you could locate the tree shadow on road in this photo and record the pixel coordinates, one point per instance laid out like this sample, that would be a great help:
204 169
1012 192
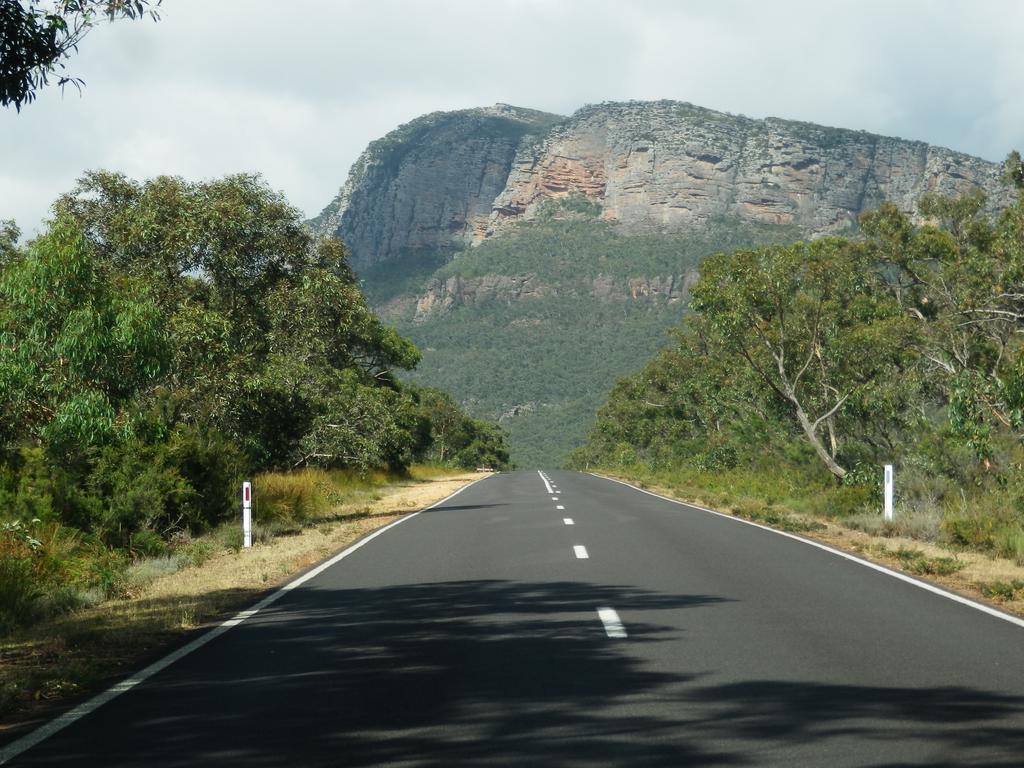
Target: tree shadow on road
488 673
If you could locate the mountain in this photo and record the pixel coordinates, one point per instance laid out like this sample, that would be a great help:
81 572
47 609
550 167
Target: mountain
535 258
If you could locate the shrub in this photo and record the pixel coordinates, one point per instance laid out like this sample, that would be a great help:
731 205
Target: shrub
918 522
1003 590
625 455
33 486
228 536
718 458
844 501
213 467
142 493
974 531
147 543
188 484
916 561
267 532
111 578
197 552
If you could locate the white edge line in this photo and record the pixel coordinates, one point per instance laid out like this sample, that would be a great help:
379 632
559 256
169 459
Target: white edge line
547 485
60 722
1015 620
613 626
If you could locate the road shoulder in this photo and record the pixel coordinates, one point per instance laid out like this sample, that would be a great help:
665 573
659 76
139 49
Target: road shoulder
50 668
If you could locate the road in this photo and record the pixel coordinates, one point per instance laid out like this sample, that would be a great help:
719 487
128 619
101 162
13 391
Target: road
591 624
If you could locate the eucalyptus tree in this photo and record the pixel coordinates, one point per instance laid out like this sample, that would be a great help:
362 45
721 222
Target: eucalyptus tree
274 343
75 348
814 323
960 274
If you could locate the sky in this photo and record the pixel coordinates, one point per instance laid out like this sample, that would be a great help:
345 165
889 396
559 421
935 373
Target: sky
295 89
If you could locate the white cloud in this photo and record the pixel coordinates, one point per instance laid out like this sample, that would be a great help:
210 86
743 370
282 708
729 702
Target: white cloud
296 90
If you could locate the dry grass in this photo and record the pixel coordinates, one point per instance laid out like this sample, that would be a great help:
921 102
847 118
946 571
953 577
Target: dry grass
40 668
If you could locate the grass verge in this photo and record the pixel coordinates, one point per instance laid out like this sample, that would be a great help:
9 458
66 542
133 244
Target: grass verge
300 519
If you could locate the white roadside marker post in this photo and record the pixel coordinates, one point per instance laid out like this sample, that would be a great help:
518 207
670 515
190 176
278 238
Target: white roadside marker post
247 514
887 511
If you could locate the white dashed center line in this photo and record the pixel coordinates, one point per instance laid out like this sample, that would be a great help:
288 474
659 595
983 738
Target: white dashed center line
612 623
559 506
554 498
581 552
568 521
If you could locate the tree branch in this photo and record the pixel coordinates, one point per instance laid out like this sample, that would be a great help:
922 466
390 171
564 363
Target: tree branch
831 412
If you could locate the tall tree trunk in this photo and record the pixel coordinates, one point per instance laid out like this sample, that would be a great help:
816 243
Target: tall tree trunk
788 391
833 441
815 441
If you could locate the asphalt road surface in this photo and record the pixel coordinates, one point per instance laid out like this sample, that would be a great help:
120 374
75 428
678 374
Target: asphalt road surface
588 625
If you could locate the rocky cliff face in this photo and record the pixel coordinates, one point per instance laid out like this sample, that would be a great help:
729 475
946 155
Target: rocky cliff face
451 179
665 166
429 184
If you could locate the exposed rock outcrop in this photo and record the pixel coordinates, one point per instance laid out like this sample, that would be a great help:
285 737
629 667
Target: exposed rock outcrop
671 167
451 179
441 296
671 289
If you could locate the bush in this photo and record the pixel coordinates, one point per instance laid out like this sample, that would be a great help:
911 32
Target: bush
916 561
147 544
1003 590
110 576
844 501
485 446
213 467
189 483
716 459
142 493
915 522
625 455
973 531
32 485
231 537
195 553
267 532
